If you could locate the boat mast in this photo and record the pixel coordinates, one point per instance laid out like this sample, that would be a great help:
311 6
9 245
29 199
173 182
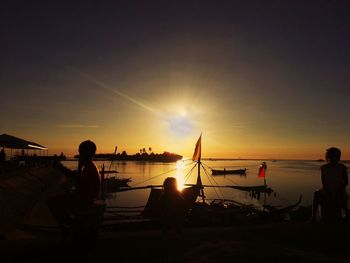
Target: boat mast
264 166
199 182
197 157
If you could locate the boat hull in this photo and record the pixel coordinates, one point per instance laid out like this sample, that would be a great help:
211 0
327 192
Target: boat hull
224 172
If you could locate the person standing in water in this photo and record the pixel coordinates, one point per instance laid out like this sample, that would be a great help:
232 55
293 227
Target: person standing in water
333 196
87 189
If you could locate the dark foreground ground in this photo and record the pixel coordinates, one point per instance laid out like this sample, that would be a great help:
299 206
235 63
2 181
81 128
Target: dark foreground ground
283 242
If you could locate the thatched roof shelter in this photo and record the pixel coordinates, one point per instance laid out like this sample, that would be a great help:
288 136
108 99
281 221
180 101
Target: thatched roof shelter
12 142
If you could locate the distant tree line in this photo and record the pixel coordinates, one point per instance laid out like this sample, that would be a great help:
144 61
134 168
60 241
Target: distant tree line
143 155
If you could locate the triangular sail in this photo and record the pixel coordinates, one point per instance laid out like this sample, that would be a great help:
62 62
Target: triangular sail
198 150
197 158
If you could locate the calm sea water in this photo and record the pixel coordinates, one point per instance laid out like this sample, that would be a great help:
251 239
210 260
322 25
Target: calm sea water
289 179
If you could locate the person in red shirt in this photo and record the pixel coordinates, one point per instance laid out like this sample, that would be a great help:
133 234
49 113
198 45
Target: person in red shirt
88 187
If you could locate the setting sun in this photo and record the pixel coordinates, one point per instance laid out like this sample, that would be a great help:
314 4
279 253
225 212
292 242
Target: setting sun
180 125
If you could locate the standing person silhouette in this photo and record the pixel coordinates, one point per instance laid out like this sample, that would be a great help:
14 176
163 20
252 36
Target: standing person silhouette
89 184
333 196
88 187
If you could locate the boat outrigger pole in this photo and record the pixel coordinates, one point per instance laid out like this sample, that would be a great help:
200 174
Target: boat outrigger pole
262 173
197 157
199 182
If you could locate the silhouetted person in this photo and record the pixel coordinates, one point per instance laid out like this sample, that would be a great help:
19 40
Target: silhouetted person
173 206
333 196
2 155
88 187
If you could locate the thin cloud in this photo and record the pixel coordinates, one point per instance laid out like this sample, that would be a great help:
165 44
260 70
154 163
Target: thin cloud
77 126
229 128
113 90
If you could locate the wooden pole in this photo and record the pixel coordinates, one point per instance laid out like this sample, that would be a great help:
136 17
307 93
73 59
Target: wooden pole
110 165
199 174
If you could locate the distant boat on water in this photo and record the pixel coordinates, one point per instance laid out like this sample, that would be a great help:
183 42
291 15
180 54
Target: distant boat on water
224 171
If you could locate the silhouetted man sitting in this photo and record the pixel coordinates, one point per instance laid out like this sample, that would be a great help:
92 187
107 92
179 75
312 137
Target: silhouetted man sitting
333 196
172 206
88 188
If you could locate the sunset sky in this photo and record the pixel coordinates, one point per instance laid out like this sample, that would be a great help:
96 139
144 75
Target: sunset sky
259 79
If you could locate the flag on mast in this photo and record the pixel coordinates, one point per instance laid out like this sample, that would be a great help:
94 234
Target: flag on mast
262 170
198 150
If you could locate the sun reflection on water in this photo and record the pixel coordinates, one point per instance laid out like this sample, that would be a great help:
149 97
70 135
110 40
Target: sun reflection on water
180 174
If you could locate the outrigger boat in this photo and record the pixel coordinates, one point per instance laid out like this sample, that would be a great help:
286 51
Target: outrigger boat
201 209
111 184
224 172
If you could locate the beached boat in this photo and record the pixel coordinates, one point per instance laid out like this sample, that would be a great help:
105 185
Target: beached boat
224 172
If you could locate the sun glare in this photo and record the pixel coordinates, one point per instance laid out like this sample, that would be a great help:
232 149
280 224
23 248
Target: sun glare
180 125
180 174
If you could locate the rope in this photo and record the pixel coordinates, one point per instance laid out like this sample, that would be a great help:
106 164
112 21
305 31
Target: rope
225 176
207 166
149 179
205 171
189 174
223 196
234 183
211 168
231 181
